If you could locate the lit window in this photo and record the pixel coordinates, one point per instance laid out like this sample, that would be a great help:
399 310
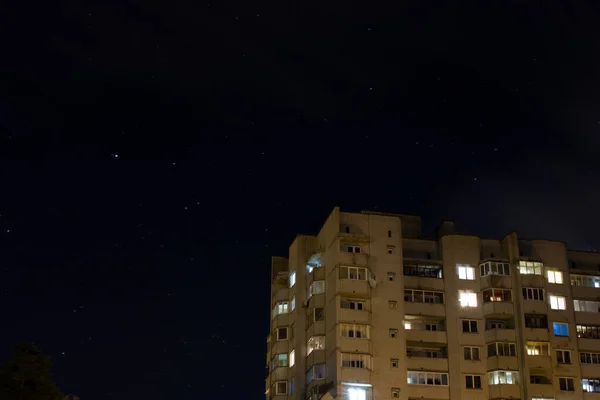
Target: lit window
355 273
590 385
280 308
494 268
503 377
357 394
315 372
292 278
355 331
465 272
530 268
350 360
495 295
585 280
426 378
292 358
588 331
315 343
586 305
505 349
280 360
555 277
407 325
467 299
316 287
558 302
538 349
560 329
293 303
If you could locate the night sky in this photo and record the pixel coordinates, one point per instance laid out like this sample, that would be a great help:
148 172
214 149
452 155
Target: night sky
154 155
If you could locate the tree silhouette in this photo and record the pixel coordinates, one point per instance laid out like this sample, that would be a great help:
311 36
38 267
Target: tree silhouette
27 376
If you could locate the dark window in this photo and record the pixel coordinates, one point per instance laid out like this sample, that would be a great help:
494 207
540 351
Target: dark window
536 321
390 234
469 326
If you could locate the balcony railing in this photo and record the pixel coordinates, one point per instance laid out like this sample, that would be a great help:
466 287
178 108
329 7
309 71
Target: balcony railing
427 353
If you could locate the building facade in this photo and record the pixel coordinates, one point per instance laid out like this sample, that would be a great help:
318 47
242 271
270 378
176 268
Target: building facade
368 309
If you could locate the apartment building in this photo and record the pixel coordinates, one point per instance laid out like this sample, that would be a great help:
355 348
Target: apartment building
369 309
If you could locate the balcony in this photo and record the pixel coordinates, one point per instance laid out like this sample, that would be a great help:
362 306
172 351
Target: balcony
353 287
282 294
425 309
280 346
545 390
530 280
348 315
502 362
315 357
591 345
586 318
353 237
316 329
534 306
281 320
355 375
280 374
495 281
498 309
353 259
425 338
427 392
421 360
504 391
536 334
419 282
539 362
500 335
351 345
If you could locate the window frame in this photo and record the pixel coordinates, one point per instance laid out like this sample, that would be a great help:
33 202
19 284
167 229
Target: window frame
562 357
497 293
424 294
471 298
542 347
555 274
470 351
555 302
560 325
277 391
359 305
529 293
474 379
352 330
470 325
566 379
465 272
425 380
356 270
